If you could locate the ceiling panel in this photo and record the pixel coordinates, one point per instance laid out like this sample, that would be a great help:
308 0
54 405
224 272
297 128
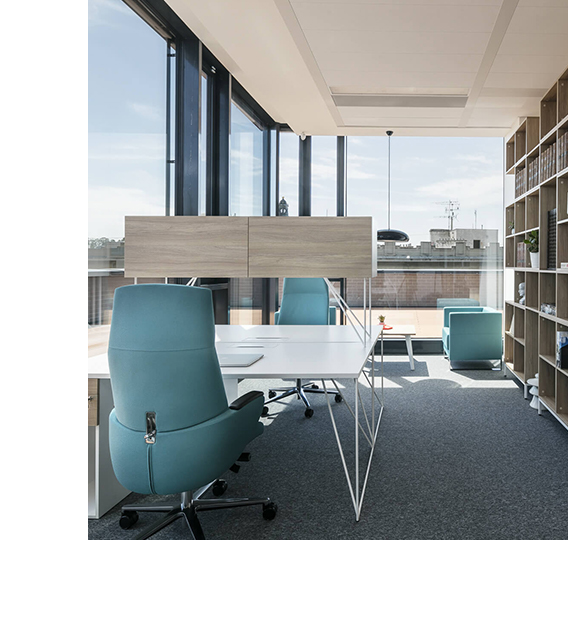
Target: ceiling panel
400 112
346 41
379 80
397 63
540 20
396 17
296 56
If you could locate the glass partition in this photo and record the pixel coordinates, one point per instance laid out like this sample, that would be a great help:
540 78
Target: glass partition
446 194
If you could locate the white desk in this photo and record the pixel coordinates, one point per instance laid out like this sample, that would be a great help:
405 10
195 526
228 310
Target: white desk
406 331
306 352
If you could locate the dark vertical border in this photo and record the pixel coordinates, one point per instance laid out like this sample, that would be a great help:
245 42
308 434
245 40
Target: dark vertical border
305 178
188 80
341 175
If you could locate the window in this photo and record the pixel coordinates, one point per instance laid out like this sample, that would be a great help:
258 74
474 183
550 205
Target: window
246 165
446 194
128 68
324 176
288 181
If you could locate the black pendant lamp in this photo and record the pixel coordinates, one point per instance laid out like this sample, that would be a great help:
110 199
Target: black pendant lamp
388 234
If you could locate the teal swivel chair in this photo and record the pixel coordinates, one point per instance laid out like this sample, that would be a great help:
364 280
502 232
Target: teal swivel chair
472 333
172 430
305 301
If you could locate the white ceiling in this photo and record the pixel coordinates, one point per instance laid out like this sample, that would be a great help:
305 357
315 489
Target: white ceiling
419 67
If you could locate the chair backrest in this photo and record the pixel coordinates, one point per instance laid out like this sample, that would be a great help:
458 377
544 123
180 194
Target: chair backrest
162 357
448 310
304 301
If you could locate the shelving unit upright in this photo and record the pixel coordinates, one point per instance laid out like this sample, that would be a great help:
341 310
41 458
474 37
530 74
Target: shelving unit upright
536 155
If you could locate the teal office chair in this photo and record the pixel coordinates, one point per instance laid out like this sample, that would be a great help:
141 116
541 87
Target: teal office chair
304 301
172 430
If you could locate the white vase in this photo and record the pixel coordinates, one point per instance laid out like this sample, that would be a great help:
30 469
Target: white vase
534 260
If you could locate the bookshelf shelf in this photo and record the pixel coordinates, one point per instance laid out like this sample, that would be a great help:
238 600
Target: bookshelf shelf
536 155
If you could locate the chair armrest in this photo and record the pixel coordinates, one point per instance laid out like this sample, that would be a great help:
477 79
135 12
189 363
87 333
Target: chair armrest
245 399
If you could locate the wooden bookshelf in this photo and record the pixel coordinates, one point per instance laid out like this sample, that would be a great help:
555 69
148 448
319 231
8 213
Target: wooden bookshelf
536 155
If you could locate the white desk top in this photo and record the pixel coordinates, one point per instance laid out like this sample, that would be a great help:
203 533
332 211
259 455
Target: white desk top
307 352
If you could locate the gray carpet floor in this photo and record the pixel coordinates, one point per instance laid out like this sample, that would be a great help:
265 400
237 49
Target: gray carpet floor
460 455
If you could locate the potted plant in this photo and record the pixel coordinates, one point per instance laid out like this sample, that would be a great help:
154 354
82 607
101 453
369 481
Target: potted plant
532 245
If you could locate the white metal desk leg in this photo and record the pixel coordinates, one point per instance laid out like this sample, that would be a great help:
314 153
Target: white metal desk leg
357 503
409 350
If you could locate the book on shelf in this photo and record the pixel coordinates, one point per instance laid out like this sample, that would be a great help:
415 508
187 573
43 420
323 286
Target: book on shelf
562 349
533 174
551 254
548 162
563 151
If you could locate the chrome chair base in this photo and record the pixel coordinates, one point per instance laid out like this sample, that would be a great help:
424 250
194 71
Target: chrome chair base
187 509
300 391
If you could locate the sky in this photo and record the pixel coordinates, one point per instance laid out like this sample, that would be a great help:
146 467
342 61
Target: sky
127 106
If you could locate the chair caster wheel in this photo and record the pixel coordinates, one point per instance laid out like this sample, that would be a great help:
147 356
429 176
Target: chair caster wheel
264 412
127 519
271 393
219 487
338 398
309 413
269 511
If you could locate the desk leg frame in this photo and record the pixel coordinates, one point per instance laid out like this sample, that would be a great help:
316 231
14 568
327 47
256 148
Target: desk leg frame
356 490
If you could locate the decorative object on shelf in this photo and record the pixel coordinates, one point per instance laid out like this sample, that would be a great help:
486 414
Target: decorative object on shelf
549 309
532 245
511 227
388 234
534 391
512 327
521 255
562 349
522 297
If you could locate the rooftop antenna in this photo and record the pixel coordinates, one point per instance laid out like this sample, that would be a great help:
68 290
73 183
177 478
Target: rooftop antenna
452 209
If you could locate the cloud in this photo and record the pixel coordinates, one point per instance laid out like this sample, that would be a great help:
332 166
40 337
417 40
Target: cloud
127 146
100 12
148 112
108 205
483 190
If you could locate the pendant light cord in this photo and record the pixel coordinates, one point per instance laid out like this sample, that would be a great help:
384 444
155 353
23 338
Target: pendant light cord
389 185
389 134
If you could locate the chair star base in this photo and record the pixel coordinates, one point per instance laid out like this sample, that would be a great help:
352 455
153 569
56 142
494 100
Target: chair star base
187 509
300 391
